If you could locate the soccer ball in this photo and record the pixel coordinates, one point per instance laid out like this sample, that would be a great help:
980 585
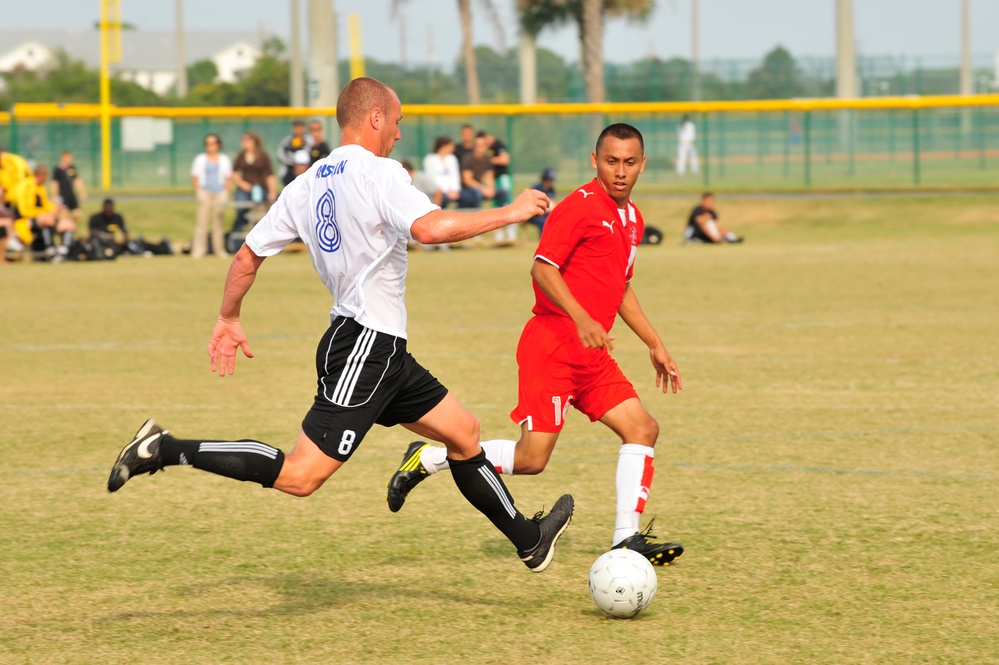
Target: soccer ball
622 583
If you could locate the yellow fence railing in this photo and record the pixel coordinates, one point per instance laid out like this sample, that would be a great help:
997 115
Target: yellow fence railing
948 141
93 111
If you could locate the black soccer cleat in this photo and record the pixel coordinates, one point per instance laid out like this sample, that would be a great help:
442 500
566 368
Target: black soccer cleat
409 474
141 455
552 525
658 554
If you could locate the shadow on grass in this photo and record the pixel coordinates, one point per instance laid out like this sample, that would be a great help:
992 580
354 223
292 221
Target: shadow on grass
305 595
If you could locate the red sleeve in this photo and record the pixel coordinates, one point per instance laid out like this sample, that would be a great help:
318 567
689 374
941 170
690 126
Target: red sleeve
563 230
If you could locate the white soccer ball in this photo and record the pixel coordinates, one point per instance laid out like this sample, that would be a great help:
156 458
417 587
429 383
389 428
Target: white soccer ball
622 583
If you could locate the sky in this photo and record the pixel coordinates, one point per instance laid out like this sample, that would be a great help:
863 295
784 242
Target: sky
429 30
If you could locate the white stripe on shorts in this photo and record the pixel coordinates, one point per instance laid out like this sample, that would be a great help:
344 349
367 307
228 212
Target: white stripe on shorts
352 368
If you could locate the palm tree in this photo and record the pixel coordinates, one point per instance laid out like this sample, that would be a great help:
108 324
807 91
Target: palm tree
467 47
589 16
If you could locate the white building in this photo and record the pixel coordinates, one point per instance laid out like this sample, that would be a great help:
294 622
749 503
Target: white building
148 57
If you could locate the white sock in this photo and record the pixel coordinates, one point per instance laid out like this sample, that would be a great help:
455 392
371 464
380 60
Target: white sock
434 459
499 452
634 476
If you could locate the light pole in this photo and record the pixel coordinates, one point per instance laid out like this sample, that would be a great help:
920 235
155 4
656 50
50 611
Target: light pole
297 77
695 52
846 69
966 63
181 58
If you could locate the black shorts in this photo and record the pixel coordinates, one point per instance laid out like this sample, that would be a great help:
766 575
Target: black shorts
365 377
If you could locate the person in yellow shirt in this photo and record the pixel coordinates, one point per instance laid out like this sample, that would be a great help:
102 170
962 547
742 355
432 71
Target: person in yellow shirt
31 201
13 169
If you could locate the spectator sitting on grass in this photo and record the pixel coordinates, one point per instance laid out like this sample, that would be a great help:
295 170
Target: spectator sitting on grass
108 227
703 227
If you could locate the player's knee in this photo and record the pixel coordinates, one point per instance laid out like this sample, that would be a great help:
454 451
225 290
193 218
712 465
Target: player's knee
297 482
301 487
464 440
647 431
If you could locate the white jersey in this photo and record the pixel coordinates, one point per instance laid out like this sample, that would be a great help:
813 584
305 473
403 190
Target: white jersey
687 133
354 212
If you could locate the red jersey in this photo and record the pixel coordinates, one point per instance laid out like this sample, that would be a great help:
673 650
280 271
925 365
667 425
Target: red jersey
593 243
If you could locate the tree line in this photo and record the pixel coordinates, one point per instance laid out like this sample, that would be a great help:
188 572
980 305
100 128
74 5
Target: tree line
267 82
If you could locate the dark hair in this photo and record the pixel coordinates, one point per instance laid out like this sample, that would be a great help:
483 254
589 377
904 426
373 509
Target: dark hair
109 202
467 126
298 122
707 194
623 131
442 141
216 137
406 164
481 134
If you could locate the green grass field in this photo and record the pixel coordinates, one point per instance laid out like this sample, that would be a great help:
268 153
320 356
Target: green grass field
832 464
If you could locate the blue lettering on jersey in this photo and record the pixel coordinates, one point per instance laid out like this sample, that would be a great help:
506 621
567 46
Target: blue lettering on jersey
327 232
327 170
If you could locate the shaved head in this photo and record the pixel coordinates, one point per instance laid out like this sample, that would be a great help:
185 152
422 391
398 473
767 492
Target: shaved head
358 98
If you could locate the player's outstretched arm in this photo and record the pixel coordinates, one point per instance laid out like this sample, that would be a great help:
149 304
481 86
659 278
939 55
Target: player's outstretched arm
667 374
228 334
442 226
551 283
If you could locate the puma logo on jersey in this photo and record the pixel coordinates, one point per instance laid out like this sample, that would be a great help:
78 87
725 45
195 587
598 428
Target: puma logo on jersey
609 225
584 193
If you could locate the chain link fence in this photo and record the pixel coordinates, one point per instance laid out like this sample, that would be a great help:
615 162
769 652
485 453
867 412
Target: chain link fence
763 149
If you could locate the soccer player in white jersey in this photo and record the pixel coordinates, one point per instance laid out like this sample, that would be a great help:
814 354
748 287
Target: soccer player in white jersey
356 210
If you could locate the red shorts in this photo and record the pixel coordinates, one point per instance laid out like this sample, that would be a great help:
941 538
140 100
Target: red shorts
556 370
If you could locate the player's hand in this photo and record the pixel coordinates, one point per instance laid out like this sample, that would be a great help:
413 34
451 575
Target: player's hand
667 373
226 338
530 203
593 335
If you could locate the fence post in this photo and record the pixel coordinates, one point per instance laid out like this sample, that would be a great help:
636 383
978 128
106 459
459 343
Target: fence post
420 137
915 146
853 122
510 148
982 137
173 157
761 136
707 152
787 143
808 148
721 145
891 133
13 130
95 150
117 174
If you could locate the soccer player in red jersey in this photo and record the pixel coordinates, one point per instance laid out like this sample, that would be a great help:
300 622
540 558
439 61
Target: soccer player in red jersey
582 280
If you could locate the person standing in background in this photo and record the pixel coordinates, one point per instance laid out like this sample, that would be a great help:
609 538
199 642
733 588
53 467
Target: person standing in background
68 189
320 148
211 174
500 158
254 178
686 150
298 140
